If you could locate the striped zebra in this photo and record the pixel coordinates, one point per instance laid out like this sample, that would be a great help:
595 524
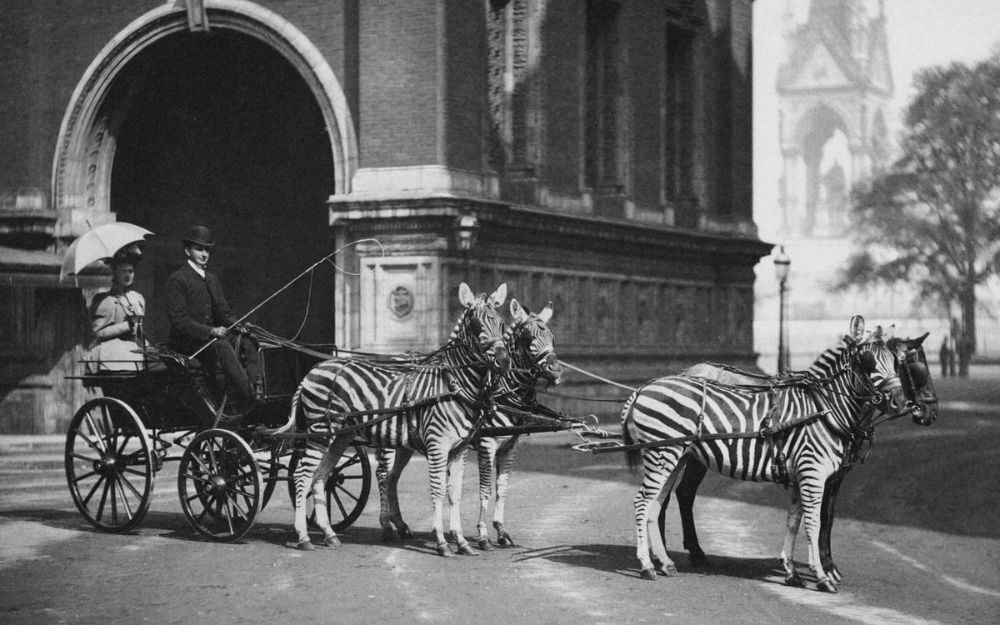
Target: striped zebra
532 357
433 408
912 380
720 425
529 346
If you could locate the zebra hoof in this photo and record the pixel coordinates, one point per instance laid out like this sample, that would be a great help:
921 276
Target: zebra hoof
444 551
649 574
825 585
331 541
404 532
669 570
505 541
698 558
794 581
302 545
466 550
486 545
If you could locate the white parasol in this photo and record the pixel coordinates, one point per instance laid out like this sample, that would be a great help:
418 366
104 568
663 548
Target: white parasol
100 243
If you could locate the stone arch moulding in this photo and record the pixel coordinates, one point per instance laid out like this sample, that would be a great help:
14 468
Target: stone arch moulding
801 123
81 171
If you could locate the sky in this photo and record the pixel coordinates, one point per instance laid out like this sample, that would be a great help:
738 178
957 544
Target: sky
922 33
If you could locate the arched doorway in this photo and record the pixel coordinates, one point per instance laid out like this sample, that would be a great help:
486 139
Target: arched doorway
220 130
242 128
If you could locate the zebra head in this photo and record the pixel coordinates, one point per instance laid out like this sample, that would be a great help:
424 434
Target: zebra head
873 365
915 378
481 326
530 340
898 370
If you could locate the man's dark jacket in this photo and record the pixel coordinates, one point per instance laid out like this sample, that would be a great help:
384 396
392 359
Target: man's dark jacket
195 306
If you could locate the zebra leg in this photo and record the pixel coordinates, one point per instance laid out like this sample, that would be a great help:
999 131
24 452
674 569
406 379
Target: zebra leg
456 472
304 472
437 470
505 463
657 467
694 473
826 523
326 466
791 533
811 489
391 463
486 449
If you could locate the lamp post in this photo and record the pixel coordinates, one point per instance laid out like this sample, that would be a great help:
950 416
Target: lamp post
466 234
782 263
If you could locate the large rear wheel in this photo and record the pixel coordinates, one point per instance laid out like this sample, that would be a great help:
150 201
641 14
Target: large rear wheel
219 485
109 467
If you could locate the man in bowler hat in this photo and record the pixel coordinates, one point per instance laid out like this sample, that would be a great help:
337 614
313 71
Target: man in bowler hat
199 313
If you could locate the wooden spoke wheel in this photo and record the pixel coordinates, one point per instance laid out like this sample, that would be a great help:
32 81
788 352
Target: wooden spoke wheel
109 465
346 489
219 485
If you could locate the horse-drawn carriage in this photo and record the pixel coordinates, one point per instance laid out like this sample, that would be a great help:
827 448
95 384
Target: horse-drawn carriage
162 409
803 429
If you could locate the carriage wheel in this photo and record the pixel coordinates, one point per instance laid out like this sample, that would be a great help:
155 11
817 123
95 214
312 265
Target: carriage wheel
109 467
219 485
348 487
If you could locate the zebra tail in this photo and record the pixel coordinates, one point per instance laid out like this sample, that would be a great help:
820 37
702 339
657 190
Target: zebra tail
633 457
293 412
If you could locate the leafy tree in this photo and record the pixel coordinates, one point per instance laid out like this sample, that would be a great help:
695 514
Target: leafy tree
932 219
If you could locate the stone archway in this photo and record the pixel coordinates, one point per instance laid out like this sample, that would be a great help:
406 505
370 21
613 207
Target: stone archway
134 115
819 168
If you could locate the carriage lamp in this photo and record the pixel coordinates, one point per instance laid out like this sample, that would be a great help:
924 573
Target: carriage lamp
466 234
782 264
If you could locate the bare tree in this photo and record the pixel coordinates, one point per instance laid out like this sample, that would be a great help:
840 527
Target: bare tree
932 219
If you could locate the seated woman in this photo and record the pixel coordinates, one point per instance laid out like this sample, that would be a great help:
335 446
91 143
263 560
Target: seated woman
117 320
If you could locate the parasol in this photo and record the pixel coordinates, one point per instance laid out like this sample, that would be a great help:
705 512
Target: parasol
100 243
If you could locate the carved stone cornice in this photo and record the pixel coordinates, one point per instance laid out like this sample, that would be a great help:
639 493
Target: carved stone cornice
536 226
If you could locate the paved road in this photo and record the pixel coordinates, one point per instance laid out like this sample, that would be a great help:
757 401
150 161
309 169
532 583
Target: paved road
916 539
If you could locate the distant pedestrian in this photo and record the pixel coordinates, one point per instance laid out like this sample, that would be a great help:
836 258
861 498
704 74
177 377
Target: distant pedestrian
952 357
947 357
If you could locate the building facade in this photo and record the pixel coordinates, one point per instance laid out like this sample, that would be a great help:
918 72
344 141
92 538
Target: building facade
601 150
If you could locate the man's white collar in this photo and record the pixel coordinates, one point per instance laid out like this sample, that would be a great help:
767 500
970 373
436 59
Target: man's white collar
198 270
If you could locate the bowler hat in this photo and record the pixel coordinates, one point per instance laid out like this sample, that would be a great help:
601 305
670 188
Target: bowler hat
199 235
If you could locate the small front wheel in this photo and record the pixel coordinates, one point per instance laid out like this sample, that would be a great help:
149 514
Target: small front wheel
219 485
109 467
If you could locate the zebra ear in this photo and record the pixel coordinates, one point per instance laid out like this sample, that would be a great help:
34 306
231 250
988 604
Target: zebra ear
465 295
499 296
517 312
857 331
546 313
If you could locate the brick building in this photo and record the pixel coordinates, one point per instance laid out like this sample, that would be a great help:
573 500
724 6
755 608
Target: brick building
602 147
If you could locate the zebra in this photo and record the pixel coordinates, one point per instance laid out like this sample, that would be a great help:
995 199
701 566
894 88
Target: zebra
431 407
529 346
532 356
724 426
909 391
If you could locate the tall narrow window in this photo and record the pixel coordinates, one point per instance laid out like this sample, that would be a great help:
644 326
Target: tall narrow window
679 123
602 90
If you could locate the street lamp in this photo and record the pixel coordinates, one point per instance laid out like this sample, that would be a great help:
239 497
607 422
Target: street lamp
466 235
782 263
